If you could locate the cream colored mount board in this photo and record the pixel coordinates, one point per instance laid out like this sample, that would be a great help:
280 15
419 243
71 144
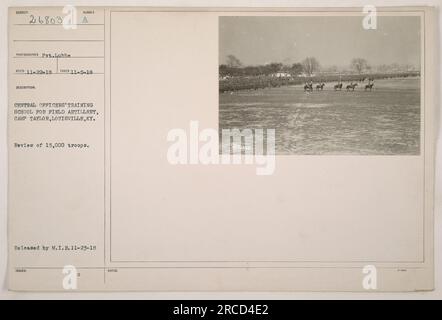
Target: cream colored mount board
221 149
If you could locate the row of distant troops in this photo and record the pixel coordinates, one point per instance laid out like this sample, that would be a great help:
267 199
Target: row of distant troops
308 87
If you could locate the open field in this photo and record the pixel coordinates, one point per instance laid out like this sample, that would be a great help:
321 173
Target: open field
384 121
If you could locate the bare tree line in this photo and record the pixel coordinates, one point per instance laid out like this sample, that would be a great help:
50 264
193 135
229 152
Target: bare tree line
308 67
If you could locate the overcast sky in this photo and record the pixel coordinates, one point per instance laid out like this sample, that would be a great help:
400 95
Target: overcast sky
332 40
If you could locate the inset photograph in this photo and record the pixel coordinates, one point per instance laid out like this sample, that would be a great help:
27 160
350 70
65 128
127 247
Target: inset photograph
326 84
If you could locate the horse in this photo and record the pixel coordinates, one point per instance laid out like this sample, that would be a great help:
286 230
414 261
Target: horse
338 86
308 87
369 86
351 86
320 86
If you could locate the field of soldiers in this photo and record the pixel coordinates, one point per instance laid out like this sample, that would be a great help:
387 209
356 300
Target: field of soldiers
236 83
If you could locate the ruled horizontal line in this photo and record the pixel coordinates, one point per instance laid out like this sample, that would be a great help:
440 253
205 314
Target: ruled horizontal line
48 74
217 267
57 40
86 57
55 24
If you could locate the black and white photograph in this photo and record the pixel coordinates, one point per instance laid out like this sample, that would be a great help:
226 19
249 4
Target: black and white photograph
325 84
236 153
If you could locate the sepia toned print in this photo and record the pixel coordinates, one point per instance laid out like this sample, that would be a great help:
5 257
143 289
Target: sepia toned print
327 85
116 182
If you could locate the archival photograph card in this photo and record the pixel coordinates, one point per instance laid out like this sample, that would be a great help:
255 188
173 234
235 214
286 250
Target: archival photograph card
246 149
